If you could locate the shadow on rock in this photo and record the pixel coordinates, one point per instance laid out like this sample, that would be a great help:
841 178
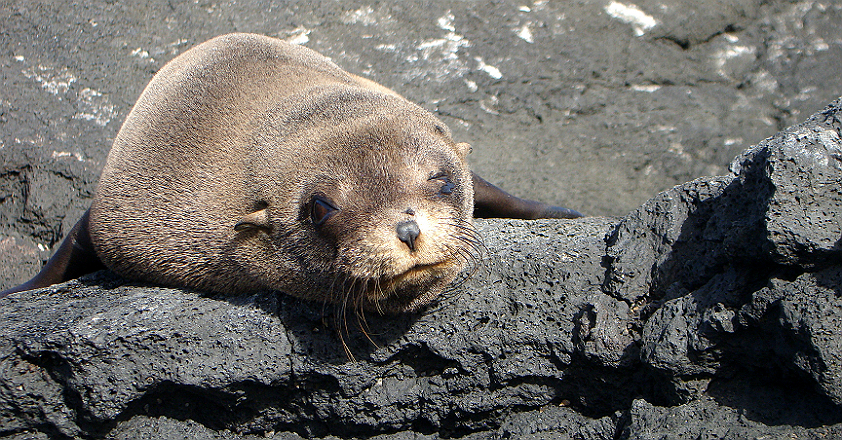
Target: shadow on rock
776 400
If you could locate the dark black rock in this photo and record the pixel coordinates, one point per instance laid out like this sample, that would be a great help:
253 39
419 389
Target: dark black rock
804 171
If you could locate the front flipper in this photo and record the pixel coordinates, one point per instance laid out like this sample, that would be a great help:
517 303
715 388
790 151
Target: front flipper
491 201
74 258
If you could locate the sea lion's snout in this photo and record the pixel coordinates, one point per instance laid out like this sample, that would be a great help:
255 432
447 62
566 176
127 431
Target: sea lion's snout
408 232
397 260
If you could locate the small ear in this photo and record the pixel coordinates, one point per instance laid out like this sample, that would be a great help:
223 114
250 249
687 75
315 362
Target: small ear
463 149
255 220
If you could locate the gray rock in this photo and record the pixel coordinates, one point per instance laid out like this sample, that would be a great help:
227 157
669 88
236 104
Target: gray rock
706 277
706 418
806 312
804 216
250 364
709 311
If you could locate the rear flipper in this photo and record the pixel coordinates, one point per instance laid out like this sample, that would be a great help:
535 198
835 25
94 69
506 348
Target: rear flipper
491 201
74 258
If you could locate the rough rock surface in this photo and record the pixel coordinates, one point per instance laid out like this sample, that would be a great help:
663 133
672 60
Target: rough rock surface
711 311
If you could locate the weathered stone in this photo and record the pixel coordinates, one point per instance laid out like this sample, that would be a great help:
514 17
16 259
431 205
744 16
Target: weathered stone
711 310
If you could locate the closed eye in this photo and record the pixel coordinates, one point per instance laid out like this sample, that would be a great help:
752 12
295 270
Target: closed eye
447 186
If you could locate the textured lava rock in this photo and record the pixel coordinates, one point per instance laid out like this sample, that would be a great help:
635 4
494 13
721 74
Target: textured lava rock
711 310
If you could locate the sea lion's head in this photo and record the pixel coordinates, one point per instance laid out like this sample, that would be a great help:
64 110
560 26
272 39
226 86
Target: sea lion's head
372 209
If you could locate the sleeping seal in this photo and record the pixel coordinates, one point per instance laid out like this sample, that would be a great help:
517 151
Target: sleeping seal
250 164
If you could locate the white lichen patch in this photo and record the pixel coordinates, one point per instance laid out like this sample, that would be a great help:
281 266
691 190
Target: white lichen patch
525 34
364 16
446 58
490 70
441 56
391 47
369 16
677 149
764 81
490 105
175 47
721 57
299 35
732 58
302 37
648 88
93 106
805 93
61 154
472 86
820 45
54 81
445 49
631 14
142 54
446 22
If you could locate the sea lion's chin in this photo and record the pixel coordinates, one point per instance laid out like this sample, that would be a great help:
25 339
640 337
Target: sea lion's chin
412 289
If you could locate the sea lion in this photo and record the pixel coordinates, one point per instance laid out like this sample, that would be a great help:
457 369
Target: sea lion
250 164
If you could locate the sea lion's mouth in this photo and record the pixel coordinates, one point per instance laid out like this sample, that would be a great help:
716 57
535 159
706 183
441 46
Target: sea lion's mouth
425 271
410 289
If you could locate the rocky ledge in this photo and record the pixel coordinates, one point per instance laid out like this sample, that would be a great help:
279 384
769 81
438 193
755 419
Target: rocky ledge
712 311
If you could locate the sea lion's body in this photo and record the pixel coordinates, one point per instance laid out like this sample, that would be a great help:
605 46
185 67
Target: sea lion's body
248 163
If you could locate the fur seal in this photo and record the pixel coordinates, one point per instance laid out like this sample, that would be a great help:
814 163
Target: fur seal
250 164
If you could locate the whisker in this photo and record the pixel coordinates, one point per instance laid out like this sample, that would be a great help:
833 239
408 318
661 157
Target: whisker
342 326
361 320
329 297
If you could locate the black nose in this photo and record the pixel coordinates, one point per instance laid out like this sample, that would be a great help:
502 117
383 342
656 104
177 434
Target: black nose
408 232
